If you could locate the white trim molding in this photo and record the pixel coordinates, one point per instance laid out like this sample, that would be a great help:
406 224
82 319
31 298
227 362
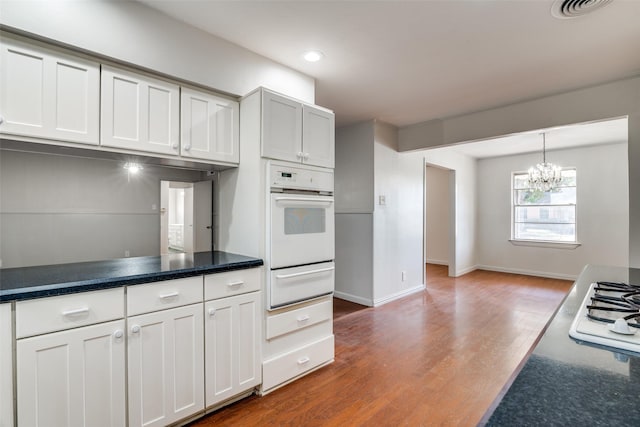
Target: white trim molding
547 274
545 244
398 295
353 298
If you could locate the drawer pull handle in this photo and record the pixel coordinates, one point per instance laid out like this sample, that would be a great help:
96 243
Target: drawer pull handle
169 295
118 334
234 284
303 361
76 311
212 312
135 329
304 318
304 273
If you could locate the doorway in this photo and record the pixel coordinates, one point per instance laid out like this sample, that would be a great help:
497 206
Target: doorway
186 219
439 211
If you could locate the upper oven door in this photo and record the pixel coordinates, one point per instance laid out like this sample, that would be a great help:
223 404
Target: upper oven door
302 229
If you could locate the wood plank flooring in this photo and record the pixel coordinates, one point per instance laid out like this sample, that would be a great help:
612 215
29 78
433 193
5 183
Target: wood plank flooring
436 358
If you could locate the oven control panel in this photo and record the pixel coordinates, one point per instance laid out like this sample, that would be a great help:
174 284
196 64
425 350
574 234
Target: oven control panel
294 177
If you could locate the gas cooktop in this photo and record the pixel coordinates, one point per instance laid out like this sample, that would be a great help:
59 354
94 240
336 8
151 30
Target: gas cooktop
609 316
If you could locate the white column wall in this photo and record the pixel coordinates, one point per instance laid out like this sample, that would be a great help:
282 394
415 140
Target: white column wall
398 224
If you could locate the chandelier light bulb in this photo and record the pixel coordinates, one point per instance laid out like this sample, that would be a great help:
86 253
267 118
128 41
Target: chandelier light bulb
544 176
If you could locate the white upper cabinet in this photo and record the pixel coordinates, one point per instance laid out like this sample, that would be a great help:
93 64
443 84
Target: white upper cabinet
318 136
209 127
48 94
139 112
281 127
297 132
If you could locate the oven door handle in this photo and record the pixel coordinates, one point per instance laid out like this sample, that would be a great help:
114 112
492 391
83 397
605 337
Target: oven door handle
317 200
304 273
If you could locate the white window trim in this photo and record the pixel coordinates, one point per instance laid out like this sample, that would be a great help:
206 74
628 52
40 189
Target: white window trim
539 243
545 244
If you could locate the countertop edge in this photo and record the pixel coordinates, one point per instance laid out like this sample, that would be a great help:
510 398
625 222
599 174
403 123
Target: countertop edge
63 288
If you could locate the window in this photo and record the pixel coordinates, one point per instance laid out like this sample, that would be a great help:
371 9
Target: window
544 216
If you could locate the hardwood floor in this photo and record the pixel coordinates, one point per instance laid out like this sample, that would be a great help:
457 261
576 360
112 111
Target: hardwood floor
436 358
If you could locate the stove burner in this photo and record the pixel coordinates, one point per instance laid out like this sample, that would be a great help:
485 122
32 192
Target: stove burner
611 299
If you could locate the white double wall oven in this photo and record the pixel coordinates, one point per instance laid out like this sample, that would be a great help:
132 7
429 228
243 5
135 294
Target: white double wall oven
300 233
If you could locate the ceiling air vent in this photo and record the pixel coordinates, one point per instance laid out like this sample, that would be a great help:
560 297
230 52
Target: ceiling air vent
565 9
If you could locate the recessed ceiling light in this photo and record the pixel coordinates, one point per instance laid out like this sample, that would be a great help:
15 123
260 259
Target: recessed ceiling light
313 55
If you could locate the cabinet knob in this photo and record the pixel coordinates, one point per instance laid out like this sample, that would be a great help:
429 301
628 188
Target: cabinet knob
187 147
135 329
1 120
212 312
174 146
300 155
118 334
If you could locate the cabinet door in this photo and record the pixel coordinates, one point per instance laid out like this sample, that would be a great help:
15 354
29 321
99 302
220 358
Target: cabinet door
209 127
281 127
139 112
6 367
232 337
73 378
318 137
165 361
48 94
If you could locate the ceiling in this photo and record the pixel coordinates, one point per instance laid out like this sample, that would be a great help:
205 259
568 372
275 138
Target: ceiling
405 62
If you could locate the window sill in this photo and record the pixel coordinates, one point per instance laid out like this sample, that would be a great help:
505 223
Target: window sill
545 244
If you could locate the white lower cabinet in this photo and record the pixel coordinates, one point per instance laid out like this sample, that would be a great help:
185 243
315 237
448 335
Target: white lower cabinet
166 366
6 366
232 346
298 339
72 378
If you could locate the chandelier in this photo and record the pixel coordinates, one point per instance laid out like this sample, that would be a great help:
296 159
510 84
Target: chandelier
544 176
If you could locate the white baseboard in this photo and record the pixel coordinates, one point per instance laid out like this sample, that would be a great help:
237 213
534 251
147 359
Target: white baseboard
398 295
437 261
353 298
548 274
466 270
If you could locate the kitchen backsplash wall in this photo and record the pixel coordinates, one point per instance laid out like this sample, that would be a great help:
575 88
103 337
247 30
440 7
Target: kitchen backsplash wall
60 209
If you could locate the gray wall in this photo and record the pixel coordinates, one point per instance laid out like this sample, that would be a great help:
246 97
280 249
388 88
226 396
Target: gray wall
60 209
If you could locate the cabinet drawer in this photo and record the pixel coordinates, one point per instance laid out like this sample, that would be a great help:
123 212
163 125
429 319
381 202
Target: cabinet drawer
290 365
300 318
52 314
162 295
232 283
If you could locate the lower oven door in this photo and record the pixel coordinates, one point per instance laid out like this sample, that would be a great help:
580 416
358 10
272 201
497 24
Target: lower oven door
302 230
291 285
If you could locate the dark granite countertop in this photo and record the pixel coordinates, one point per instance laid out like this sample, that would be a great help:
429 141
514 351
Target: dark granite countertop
49 280
564 382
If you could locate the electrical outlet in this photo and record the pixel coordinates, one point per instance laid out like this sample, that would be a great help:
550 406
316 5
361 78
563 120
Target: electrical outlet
404 276
126 253
382 200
